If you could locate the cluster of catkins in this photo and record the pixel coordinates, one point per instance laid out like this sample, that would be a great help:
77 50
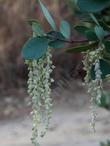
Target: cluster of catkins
95 86
39 88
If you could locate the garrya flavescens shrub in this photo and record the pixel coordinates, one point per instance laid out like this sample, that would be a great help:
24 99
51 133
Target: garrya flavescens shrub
94 25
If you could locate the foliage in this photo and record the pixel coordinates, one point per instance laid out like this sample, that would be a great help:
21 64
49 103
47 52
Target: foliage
95 48
107 143
34 48
65 29
93 6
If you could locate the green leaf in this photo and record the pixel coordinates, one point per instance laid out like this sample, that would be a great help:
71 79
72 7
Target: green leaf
54 35
65 29
100 32
105 69
105 26
91 36
104 101
47 15
56 39
108 142
31 21
94 18
35 48
36 27
87 32
57 44
107 46
93 6
82 48
102 144
81 29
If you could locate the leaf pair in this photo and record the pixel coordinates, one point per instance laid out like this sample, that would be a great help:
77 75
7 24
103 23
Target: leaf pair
64 27
97 33
87 32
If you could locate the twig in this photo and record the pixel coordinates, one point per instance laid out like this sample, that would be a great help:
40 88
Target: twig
75 41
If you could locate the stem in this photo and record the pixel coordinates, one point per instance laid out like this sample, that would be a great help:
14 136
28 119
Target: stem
76 41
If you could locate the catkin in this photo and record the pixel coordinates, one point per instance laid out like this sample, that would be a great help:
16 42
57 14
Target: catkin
39 88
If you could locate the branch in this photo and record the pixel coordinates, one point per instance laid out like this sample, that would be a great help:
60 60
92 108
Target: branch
74 41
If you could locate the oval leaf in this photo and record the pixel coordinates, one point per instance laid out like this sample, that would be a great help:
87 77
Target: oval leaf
100 32
93 6
36 27
57 44
54 35
90 35
47 15
107 46
81 29
105 26
56 39
35 48
65 29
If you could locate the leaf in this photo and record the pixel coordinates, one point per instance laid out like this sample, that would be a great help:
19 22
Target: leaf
57 44
104 101
31 21
35 48
100 32
56 39
82 48
105 26
81 29
91 36
54 35
105 69
107 46
93 6
36 27
94 18
106 56
65 29
47 15
87 32
102 144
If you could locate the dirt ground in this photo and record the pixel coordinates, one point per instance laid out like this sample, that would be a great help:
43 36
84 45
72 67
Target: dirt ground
69 125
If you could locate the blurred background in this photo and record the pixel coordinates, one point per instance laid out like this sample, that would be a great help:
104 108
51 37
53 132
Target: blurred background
71 112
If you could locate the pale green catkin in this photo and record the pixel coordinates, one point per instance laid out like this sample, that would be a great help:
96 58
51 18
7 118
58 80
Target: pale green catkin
95 86
39 88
